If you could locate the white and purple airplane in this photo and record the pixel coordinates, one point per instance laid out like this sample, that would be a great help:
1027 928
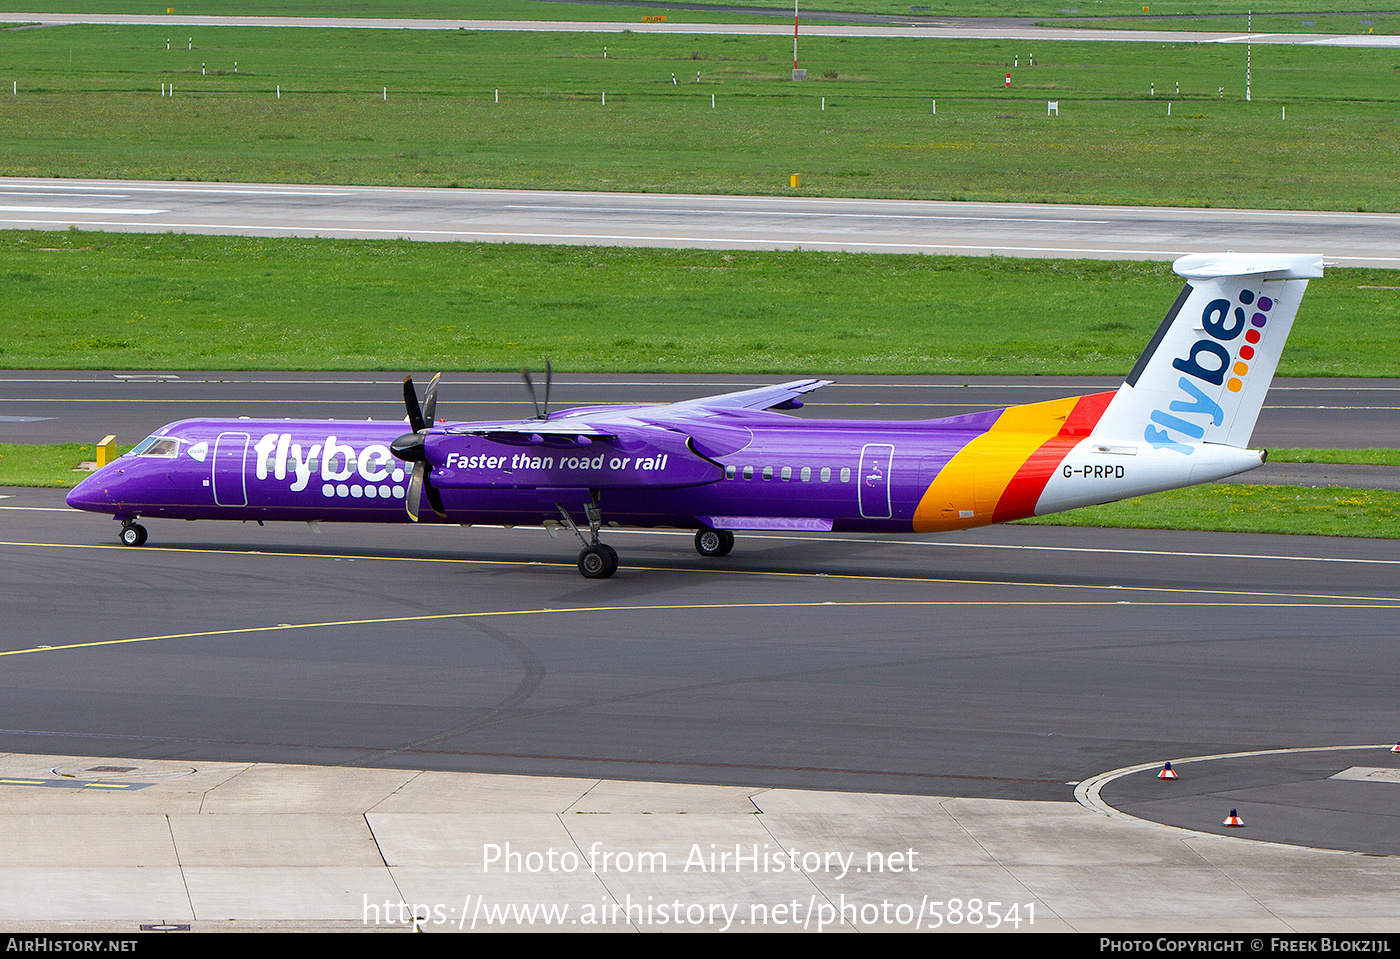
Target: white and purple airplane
735 462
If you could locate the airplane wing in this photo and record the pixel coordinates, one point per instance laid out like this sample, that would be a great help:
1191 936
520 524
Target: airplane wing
535 432
581 427
783 396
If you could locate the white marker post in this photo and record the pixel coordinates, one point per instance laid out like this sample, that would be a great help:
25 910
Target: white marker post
933 108
712 101
794 39
1248 42
279 90
823 104
386 94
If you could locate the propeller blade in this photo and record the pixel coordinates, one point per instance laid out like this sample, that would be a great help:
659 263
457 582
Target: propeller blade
434 497
430 400
548 379
415 490
410 401
419 486
530 385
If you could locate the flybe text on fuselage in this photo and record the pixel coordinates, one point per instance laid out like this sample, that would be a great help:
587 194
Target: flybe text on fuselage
281 459
1209 361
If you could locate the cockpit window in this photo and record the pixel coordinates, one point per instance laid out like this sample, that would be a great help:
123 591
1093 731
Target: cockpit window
167 446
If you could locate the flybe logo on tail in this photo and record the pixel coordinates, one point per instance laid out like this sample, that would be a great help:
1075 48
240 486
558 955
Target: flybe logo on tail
1209 361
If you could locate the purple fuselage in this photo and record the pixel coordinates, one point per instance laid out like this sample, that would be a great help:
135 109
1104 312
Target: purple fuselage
740 470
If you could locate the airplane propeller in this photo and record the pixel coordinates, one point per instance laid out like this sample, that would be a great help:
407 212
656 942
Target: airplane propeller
410 447
529 384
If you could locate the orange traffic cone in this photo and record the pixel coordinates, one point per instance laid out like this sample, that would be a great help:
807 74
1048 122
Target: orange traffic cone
1167 772
1234 819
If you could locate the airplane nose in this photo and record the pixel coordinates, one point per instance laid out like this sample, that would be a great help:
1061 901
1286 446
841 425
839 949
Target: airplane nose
90 494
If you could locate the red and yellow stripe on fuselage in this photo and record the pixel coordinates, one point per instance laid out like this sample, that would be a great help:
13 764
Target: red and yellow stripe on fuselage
1000 475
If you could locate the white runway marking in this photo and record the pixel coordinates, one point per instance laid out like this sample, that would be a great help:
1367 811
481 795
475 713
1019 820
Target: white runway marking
82 210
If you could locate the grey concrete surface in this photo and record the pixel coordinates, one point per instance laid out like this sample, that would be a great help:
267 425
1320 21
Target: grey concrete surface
253 846
970 30
714 222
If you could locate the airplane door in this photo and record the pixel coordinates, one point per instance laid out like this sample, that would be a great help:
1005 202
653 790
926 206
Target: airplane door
875 460
230 458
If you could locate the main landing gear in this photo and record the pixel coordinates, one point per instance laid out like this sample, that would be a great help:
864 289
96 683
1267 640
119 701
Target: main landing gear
714 542
596 560
132 534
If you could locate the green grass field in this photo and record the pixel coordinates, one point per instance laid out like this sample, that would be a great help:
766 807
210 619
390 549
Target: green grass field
89 104
1367 457
1330 511
77 300
52 465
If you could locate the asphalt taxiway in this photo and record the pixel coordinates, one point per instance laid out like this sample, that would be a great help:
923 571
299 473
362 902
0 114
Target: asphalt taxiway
996 673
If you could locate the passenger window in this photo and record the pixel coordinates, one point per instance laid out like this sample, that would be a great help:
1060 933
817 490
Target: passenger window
826 474
806 473
748 472
730 472
767 472
787 472
845 474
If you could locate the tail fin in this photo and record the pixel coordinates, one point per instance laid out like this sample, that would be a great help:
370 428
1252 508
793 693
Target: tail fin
1203 377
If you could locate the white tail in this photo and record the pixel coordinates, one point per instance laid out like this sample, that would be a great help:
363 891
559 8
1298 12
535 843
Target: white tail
1203 378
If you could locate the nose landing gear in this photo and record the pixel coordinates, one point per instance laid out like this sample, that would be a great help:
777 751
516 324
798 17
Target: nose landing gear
132 534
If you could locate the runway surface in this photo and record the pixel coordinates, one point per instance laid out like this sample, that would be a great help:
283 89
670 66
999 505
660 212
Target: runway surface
717 222
944 29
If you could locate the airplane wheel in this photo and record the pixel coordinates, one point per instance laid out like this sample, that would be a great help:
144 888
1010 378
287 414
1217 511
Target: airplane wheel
133 534
597 562
714 542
